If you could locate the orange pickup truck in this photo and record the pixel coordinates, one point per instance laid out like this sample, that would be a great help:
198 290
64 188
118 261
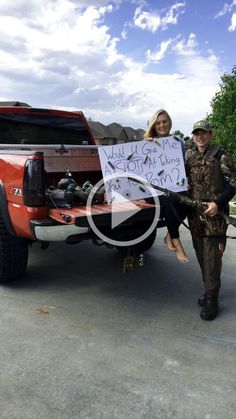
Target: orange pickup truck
37 148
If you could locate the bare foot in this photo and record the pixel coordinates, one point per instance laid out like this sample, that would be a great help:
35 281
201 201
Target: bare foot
179 251
168 242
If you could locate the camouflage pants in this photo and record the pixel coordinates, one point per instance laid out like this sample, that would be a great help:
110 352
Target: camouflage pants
210 260
206 242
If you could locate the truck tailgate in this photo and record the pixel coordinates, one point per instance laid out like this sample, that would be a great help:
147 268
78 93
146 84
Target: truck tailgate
102 213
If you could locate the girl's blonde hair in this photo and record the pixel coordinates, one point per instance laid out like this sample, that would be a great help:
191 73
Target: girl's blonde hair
151 132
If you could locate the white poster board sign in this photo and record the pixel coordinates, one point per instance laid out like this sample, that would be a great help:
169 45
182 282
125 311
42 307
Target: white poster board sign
159 163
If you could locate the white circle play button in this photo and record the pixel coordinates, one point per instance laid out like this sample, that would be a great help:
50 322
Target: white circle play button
120 210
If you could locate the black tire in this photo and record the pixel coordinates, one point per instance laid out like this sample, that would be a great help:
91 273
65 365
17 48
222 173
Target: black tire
141 247
14 253
147 243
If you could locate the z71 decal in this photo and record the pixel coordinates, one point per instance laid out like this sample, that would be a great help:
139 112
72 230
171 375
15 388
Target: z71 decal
15 191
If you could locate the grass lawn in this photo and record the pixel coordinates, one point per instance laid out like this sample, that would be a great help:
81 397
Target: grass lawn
233 210
233 207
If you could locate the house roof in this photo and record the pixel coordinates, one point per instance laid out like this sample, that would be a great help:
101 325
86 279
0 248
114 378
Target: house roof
115 131
99 130
14 103
118 131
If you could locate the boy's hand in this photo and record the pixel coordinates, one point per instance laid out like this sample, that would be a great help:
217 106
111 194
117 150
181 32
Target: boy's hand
212 208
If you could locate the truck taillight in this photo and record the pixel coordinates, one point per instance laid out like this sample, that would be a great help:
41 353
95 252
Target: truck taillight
34 189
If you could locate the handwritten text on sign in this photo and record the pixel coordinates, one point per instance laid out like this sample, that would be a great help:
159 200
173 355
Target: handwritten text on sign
159 163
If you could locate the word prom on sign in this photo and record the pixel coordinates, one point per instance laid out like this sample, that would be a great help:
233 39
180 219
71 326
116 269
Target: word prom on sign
159 163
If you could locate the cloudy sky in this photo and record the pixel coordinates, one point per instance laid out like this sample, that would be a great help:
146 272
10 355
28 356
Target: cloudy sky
117 60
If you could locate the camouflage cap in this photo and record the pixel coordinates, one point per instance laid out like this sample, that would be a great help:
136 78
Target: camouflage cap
203 124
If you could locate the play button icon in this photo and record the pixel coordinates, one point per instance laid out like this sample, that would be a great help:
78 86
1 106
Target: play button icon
118 210
122 211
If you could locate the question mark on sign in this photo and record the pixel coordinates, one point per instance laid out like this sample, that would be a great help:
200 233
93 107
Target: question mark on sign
175 170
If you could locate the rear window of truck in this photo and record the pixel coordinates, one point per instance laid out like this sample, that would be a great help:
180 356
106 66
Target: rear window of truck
43 129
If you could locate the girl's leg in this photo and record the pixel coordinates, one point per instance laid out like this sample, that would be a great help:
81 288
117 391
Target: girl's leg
168 242
172 239
179 251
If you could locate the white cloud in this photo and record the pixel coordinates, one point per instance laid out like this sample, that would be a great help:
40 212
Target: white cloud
146 20
226 9
57 55
159 55
59 28
124 32
20 8
173 13
152 21
185 94
232 27
187 48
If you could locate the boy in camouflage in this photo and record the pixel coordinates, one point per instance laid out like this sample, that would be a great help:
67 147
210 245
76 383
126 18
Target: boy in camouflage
212 179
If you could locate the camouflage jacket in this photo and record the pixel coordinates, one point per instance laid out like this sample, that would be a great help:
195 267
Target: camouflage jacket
212 175
212 178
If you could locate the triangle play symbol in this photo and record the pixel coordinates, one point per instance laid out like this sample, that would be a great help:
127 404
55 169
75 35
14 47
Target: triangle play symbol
119 217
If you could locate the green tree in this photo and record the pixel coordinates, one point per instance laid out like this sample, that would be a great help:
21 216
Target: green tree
178 133
223 116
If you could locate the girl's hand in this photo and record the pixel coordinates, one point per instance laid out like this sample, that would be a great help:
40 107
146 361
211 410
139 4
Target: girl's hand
149 139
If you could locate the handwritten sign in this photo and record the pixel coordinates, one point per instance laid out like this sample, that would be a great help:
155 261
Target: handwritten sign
159 163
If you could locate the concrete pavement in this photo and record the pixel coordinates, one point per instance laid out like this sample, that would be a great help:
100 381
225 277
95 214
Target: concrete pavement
80 339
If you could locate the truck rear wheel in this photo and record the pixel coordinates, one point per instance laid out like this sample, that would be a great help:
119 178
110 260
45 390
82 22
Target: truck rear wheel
14 253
